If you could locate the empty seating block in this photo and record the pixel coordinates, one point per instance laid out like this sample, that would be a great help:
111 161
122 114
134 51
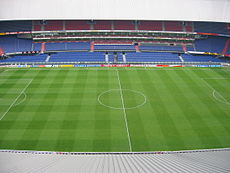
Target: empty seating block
211 27
114 47
152 57
76 25
150 25
37 27
201 58
161 47
212 44
124 25
173 26
36 46
77 57
54 25
102 25
14 44
15 26
189 26
27 58
68 46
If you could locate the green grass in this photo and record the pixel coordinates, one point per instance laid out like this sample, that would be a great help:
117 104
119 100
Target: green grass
59 110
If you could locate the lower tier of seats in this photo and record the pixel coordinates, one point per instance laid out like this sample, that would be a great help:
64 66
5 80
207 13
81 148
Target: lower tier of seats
102 57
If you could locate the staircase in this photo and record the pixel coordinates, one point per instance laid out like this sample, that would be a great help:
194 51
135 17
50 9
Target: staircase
91 46
43 47
1 51
181 59
137 48
184 48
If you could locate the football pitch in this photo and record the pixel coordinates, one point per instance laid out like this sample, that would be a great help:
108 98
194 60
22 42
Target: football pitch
114 109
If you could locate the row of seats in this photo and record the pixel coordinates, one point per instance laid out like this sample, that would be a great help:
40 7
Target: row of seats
13 44
28 25
100 57
67 46
161 47
114 47
199 58
26 58
212 44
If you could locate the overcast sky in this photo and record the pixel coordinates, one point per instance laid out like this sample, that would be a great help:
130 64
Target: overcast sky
196 10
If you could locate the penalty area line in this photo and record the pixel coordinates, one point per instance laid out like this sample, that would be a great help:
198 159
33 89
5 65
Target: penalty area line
125 116
12 104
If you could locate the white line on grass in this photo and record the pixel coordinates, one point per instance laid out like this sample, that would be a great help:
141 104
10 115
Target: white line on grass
125 116
15 100
214 91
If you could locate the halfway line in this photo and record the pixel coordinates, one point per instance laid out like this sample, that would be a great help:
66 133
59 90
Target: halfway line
125 117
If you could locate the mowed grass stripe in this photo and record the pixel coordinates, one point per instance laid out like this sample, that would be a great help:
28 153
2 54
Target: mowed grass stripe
134 121
31 137
62 113
10 135
203 102
219 114
146 129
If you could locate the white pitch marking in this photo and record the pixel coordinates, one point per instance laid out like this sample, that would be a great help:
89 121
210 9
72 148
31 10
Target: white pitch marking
224 102
112 107
21 100
125 116
15 100
214 91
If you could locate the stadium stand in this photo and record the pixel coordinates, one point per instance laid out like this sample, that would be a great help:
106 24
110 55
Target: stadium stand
150 25
211 27
200 58
124 25
77 57
36 46
152 57
25 58
173 26
67 46
161 47
102 25
54 25
76 25
15 26
212 44
13 44
114 47
188 27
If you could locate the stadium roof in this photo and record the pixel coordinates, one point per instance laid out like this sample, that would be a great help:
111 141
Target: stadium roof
189 10
195 161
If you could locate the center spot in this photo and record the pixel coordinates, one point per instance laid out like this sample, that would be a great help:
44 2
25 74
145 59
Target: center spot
113 99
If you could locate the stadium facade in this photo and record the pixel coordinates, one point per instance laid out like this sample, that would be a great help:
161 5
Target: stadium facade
114 34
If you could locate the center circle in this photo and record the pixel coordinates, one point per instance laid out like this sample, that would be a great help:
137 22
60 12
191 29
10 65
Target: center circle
122 99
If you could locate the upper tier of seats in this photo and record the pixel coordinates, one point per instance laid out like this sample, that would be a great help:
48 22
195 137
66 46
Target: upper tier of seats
211 27
53 25
15 26
151 25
